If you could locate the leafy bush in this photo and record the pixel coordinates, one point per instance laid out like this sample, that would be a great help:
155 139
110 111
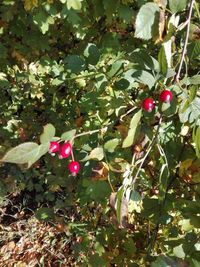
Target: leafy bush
82 70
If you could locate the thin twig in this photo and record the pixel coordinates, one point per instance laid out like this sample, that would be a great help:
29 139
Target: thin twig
91 132
148 151
186 42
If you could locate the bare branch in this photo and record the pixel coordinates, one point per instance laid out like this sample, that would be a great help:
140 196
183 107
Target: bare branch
186 41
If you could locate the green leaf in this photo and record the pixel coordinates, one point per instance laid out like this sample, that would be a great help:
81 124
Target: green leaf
144 77
3 80
163 261
185 225
196 140
45 214
38 153
177 5
119 200
75 4
92 54
194 50
143 60
116 68
190 111
146 20
195 80
48 133
125 13
75 63
128 141
194 263
21 154
164 57
67 136
111 145
163 181
43 20
179 252
96 153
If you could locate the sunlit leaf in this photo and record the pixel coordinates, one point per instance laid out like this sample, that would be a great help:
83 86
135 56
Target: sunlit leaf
147 21
132 129
48 133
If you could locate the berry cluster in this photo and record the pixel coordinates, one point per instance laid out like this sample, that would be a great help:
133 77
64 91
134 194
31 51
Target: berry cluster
64 152
148 103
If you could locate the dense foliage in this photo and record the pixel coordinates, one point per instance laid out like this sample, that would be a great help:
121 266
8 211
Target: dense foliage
78 71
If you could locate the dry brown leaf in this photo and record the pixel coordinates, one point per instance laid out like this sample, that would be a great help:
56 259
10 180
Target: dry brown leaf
100 172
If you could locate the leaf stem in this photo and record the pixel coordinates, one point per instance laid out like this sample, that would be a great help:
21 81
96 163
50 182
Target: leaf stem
186 41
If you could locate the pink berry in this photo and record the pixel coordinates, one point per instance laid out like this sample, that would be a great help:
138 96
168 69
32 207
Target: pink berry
148 104
54 147
74 167
65 151
166 96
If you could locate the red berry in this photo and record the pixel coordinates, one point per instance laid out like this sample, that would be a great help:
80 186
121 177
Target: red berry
65 151
166 96
148 104
54 147
74 167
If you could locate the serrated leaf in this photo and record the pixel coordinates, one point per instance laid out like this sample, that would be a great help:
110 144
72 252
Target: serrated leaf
146 20
96 153
67 136
21 154
128 141
111 145
48 133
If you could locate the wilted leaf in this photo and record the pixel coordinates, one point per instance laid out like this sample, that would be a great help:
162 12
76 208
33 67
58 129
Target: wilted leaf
119 205
100 171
